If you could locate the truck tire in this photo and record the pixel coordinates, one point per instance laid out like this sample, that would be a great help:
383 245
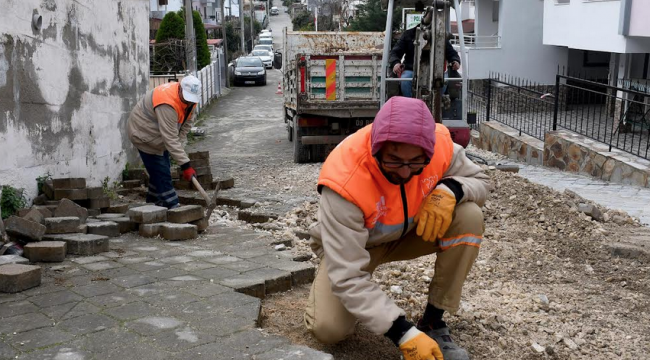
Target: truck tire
289 133
300 151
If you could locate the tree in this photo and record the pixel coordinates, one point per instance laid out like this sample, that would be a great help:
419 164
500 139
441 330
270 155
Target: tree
233 40
303 21
202 50
169 54
372 18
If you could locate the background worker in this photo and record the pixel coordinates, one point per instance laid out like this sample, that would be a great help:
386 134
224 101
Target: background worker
375 186
157 127
405 48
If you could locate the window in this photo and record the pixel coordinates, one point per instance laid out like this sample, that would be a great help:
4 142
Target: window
562 1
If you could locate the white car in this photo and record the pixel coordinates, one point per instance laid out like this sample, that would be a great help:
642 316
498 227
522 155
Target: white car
274 10
265 56
268 48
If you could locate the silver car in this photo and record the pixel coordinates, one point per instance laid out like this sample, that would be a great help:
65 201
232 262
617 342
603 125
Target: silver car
265 56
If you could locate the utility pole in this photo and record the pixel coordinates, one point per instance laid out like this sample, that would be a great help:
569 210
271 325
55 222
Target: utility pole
316 19
241 26
225 40
252 25
190 51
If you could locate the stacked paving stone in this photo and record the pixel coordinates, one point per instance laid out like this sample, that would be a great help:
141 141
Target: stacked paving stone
75 189
134 178
201 163
181 223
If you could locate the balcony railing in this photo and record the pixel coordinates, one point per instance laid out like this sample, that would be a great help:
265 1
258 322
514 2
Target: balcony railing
478 42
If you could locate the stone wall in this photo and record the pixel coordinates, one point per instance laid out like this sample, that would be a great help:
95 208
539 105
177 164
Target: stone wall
504 140
571 152
67 88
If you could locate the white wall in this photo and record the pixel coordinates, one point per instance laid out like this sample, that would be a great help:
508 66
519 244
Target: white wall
522 53
66 90
484 25
172 5
589 25
639 16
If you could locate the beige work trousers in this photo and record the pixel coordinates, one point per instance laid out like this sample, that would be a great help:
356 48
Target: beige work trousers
330 322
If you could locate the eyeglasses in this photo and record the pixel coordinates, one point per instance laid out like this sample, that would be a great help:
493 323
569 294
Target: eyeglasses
398 165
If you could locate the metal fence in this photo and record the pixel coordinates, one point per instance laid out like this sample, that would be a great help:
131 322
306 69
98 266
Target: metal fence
616 116
212 77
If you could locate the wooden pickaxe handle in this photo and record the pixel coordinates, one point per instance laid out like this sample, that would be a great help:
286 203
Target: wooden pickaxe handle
198 187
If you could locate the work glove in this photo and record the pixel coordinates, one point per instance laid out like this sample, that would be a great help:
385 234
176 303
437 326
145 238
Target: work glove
416 345
398 69
188 171
436 213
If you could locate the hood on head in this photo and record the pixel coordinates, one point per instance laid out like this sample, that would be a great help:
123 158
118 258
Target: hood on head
404 120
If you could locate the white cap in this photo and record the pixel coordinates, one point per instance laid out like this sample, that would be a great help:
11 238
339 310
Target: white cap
191 88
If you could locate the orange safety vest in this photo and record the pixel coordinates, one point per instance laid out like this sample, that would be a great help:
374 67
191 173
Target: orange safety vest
352 172
168 94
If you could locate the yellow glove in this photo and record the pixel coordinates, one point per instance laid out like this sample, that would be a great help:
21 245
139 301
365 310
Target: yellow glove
435 214
416 345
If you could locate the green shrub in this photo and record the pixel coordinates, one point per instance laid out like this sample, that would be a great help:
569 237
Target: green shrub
12 199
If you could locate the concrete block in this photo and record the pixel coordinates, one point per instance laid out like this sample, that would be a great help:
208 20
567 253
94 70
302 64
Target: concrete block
52 203
130 184
72 194
225 183
150 230
109 217
204 170
51 208
185 214
85 244
81 229
62 225
199 155
125 224
22 212
106 228
148 214
24 229
253 218
35 216
95 192
69 183
205 181
101 203
117 209
198 163
44 210
14 259
175 232
94 212
247 203
201 225
40 200
48 189
46 251
228 201
15 277
69 208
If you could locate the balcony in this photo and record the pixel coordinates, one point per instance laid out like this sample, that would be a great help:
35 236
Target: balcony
478 42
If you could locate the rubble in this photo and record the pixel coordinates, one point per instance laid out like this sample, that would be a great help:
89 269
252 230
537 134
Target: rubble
62 225
24 230
16 278
148 214
46 251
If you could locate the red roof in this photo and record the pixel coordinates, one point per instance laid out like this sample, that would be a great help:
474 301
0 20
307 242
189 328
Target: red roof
216 42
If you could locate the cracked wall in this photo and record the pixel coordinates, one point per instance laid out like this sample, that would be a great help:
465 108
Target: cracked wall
66 90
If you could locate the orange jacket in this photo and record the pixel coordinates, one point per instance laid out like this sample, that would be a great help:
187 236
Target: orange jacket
352 172
169 94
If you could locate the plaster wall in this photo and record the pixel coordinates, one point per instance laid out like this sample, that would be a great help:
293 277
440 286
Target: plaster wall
67 89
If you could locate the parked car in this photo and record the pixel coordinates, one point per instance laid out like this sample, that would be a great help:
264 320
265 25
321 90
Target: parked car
265 41
249 70
268 48
275 11
265 56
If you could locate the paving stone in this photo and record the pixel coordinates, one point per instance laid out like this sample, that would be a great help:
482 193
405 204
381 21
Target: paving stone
131 184
150 230
69 208
35 215
301 272
15 308
13 259
55 298
247 203
294 352
118 272
102 343
118 208
6 352
97 288
176 232
242 266
253 341
39 338
95 192
152 325
86 324
62 225
105 228
165 273
46 251
132 310
208 289
254 218
88 259
24 322
133 280
86 244
82 229
114 299
222 259
246 285
109 216
94 212
148 214
250 253
98 266
216 273
70 310
185 214
226 201
211 351
24 229
17 277
133 260
201 225
177 259
125 224
203 253
70 194
173 298
274 280
69 183
65 351
100 203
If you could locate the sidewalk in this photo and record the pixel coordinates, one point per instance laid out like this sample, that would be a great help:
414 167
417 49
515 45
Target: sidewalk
631 199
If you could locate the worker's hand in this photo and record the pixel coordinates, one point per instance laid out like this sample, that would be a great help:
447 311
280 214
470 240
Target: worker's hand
188 173
436 213
398 68
455 65
416 345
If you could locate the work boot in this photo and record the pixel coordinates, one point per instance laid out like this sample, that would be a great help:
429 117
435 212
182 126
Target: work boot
450 351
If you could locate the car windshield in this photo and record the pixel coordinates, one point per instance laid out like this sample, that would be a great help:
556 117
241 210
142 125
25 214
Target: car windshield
266 41
249 62
260 53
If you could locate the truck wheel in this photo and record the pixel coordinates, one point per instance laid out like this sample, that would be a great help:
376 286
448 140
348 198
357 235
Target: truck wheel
289 133
300 151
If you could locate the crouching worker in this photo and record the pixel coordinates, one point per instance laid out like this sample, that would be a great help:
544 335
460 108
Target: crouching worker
395 190
157 127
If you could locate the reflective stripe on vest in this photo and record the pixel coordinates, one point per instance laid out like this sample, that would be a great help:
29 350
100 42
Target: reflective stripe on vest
352 172
168 94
